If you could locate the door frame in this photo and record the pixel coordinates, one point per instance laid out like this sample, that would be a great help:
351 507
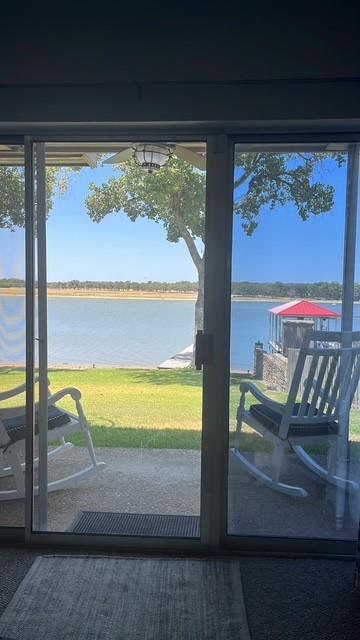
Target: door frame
220 145
300 546
209 540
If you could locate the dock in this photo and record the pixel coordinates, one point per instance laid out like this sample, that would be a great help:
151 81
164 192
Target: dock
180 360
183 360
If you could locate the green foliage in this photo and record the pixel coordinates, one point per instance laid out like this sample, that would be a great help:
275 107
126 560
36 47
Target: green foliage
12 201
121 285
311 290
324 290
12 193
280 179
173 196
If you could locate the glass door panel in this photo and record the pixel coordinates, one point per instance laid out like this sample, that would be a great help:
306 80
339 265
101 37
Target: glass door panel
288 239
12 334
123 251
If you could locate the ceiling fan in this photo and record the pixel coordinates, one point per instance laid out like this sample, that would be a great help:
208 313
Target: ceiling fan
153 156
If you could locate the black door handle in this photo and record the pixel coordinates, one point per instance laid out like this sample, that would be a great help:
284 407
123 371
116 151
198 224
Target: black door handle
203 349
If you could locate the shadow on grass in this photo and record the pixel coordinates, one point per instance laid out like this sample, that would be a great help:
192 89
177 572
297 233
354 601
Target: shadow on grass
156 377
141 438
161 439
186 377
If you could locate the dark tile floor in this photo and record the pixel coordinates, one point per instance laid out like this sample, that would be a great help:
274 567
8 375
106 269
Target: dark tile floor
287 599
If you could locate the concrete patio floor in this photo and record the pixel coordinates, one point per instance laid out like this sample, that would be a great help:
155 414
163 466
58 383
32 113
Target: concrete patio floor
255 509
167 481
134 481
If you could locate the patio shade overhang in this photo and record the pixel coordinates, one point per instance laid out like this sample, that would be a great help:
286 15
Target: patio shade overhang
303 309
80 154
58 154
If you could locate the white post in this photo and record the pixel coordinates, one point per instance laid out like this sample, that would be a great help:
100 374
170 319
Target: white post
347 325
42 324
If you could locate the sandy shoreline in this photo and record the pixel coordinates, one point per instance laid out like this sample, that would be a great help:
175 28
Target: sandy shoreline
145 295
105 293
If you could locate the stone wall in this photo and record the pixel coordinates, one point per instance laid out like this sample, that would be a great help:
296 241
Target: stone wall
274 371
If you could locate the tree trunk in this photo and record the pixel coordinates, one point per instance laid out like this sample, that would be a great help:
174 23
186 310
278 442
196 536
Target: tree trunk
199 308
198 261
199 305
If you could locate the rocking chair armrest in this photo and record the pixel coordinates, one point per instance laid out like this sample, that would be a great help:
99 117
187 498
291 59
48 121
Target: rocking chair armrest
10 393
67 391
14 412
259 395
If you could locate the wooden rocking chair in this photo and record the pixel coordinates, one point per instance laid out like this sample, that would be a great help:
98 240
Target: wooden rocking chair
61 423
323 386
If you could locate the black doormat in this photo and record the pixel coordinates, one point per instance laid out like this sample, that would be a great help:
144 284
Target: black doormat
136 524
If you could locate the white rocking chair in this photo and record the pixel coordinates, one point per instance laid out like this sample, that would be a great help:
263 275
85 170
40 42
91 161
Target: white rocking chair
61 423
313 413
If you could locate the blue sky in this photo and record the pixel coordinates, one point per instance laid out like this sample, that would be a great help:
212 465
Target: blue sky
283 247
114 249
286 248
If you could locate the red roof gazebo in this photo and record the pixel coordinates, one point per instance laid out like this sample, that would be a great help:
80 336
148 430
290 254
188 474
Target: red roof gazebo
302 310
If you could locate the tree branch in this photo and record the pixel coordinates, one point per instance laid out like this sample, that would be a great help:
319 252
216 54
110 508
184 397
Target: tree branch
246 174
239 181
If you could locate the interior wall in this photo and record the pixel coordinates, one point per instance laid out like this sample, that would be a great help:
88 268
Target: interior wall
159 64
182 102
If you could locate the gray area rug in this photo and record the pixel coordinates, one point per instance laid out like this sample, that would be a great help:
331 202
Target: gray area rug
93 598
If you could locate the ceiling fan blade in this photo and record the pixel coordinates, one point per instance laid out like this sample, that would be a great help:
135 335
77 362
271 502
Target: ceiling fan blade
91 159
190 156
121 156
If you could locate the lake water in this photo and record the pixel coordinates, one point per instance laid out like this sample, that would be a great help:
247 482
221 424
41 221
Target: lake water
108 332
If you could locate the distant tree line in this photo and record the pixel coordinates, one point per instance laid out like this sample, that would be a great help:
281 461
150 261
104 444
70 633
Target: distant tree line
112 285
127 285
311 290
316 290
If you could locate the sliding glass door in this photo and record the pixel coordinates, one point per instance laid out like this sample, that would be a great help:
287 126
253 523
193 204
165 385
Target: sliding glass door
120 233
294 470
124 433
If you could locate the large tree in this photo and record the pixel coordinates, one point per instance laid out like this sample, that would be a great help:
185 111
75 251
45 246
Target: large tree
12 192
174 196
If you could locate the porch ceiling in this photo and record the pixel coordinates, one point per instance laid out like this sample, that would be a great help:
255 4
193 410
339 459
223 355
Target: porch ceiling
76 154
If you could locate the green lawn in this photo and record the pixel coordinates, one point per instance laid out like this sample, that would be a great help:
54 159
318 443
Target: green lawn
145 408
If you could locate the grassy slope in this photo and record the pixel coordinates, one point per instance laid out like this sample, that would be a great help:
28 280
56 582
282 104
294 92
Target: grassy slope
143 408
